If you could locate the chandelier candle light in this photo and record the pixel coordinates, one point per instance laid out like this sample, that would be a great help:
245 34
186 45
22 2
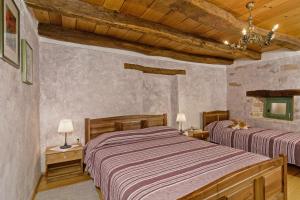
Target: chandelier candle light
249 36
65 126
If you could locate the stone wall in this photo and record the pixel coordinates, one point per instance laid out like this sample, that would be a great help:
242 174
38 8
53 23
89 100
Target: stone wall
276 71
257 106
19 121
80 81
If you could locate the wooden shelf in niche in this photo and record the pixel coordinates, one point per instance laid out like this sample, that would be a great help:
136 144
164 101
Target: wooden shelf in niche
273 93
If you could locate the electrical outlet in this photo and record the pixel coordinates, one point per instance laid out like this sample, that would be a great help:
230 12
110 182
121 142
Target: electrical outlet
77 139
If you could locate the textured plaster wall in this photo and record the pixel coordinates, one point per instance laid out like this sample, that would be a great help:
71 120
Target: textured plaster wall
163 91
203 89
277 71
79 81
19 123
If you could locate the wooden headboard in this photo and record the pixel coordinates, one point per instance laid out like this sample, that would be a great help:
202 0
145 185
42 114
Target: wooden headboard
218 115
96 127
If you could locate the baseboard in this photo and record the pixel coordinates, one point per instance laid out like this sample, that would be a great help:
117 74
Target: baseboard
36 188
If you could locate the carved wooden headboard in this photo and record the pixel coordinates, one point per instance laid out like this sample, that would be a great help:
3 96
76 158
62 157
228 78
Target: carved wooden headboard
218 115
96 127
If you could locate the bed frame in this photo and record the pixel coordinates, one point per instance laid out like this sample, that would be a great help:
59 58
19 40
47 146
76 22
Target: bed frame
96 127
263 181
218 115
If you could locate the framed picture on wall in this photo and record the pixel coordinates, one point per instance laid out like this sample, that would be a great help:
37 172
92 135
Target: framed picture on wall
10 32
27 62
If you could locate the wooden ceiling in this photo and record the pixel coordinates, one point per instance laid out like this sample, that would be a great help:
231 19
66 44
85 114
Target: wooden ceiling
266 13
190 30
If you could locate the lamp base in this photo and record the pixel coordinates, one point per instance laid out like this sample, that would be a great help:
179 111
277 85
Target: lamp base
66 146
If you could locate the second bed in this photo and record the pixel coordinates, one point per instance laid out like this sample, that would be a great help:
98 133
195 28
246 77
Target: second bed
267 142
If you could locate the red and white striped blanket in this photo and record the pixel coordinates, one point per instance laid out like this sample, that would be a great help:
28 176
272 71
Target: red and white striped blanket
158 163
266 142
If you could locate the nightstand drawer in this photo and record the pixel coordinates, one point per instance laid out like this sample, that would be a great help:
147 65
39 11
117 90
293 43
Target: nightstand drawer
63 156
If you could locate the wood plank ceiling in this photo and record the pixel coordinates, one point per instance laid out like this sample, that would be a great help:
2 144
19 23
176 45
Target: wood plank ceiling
267 13
190 30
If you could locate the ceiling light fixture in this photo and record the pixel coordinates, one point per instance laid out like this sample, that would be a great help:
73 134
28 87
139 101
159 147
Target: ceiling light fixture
249 36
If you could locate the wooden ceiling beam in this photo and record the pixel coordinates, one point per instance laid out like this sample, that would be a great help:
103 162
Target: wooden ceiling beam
273 93
80 37
100 15
211 15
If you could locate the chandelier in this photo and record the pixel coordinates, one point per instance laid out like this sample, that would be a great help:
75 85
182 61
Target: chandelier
249 36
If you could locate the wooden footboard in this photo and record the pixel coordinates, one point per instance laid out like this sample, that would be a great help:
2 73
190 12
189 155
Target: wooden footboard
264 181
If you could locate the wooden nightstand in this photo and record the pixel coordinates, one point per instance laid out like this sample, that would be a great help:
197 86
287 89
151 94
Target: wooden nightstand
199 134
61 165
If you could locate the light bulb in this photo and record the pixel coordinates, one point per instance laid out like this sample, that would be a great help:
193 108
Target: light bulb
273 36
244 31
275 27
226 42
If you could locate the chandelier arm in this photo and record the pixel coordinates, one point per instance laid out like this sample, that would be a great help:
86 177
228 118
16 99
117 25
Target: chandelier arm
249 36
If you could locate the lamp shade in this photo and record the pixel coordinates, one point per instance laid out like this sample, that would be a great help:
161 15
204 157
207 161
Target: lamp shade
65 126
181 117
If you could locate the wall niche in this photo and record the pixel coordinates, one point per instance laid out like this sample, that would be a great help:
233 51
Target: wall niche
258 100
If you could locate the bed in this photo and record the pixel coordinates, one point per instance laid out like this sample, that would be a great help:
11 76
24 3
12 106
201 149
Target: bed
267 142
139 157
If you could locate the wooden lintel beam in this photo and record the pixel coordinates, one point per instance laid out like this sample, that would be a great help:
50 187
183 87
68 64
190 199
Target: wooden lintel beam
154 70
69 35
273 93
100 15
211 15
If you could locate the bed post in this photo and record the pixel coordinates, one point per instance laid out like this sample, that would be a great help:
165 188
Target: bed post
165 120
284 176
259 188
87 130
203 120
101 197
228 114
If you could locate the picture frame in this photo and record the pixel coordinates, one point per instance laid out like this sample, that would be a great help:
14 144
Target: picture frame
27 62
10 32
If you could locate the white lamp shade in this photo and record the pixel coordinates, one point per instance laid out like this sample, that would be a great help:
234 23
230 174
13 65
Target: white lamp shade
65 126
181 117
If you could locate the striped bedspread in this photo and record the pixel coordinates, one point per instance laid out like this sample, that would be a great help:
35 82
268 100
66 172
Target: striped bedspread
266 142
158 163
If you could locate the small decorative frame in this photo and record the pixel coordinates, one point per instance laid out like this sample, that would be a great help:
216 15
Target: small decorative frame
10 32
27 63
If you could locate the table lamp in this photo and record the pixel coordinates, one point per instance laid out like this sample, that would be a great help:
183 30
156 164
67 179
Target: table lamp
65 126
181 118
